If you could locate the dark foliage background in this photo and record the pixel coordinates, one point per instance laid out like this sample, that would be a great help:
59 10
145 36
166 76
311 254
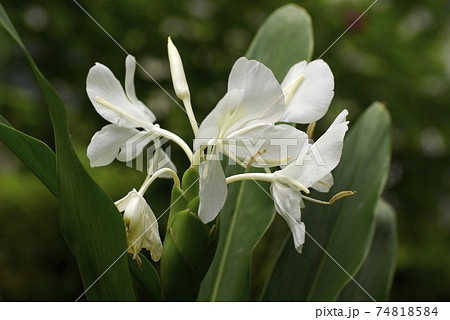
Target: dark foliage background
398 53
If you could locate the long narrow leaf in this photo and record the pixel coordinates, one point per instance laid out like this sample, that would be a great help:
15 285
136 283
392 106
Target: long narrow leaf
35 154
147 276
338 235
89 221
377 272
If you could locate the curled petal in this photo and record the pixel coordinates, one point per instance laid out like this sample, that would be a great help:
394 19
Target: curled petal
212 189
141 225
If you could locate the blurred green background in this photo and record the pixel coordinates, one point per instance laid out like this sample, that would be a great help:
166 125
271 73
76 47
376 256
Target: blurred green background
398 53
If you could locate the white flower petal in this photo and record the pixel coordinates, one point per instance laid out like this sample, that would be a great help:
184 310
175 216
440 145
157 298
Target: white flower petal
134 145
130 67
262 92
287 204
101 83
152 241
156 157
277 144
123 203
225 115
212 189
312 96
324 184
323 156
106 144
141 225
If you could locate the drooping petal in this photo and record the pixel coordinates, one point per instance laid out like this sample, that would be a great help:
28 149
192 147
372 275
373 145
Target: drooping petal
262 92
122 204
152 241
287 204
212 189
141 225
308 98
266 145
107 143
110 100
322 157
130 67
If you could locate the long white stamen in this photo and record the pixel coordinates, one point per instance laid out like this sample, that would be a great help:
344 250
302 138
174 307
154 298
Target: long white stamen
291 88
172 136
233 157
268 177
149 180
293 183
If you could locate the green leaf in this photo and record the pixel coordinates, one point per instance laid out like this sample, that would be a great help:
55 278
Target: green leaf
35 154
189 247
178 203
377 272
283 40
147 276
243 223
343 230
189 183
89 220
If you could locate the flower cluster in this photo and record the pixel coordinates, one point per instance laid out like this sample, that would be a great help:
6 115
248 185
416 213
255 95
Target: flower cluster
253 125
